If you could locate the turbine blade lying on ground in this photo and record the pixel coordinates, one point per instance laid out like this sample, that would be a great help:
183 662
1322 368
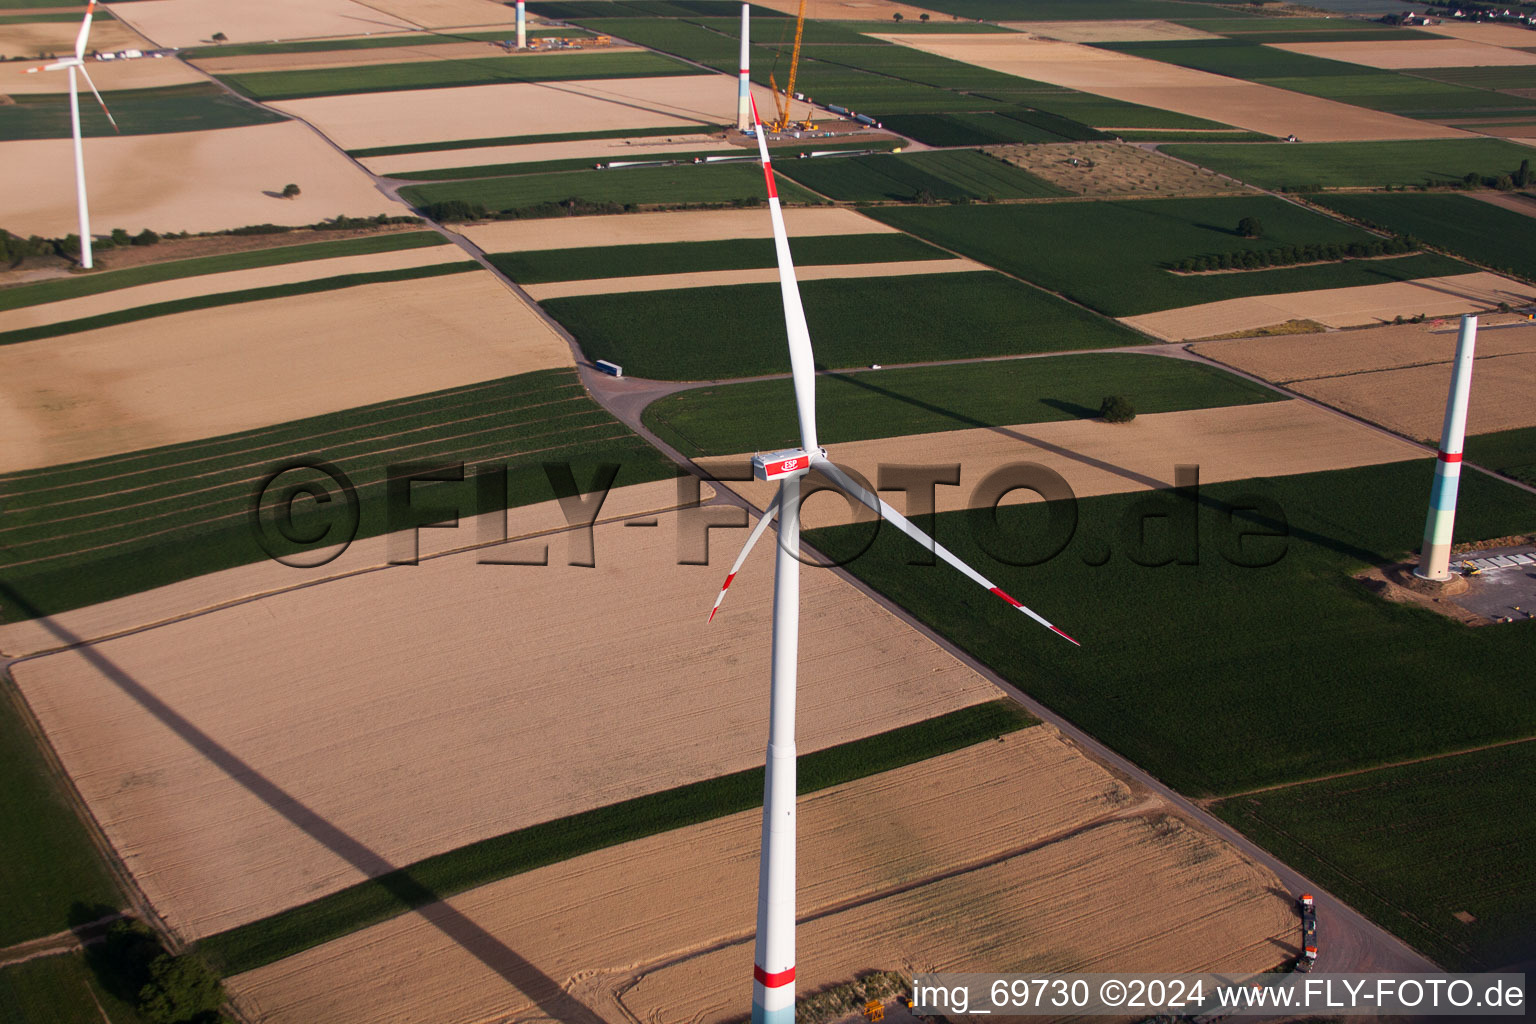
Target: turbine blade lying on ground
905 525
103 102
757 531
802 362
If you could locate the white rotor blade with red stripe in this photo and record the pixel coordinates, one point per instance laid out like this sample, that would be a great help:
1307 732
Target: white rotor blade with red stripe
802 362
85 30
103 102
905 525
757 531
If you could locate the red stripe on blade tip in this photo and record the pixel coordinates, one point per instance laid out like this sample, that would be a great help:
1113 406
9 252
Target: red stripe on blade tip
773 980
1073 642
999 592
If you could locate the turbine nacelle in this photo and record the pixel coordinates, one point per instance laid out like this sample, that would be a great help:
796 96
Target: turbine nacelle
788 462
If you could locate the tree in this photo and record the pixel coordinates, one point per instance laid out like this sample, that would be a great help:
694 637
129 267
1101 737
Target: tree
896 16
924 19
120 237
290 191
181 988
1249 227
1117 409
146 237
1523 175
1504 183
220 37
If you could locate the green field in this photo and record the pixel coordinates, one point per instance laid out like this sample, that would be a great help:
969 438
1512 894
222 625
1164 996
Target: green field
48 864
1265 662
1483 78
438 877
1060 10
523 140
74 286
1490 235
539 266
1113 256
567 10
1413 846
72 536
987 128
757 416
278 291
288 85
684 185
364 43
904 177
738 331
178 108
1298 165
1373 88
59 990
1511 452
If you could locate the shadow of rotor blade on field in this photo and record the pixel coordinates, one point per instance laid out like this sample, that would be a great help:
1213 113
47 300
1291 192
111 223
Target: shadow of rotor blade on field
1150 482
514 969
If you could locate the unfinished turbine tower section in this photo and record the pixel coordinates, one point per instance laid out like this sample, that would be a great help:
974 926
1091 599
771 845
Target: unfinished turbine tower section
744 92
1435 556
522 26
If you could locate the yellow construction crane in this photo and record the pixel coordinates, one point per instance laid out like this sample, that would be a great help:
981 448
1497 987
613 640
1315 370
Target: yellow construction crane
783 121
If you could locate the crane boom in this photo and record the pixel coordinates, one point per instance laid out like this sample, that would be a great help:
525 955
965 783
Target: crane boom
794 68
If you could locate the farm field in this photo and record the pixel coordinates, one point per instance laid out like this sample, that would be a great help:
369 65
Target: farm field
999 790
1498 78
1414 54
415 75
626 229
201 106
950 174
123 302
315 56
59 990
166 21
192 375
527 140
445 13
857 321
763 275
536 266
1497 238
537 195
1360 306
1297 166
1511 452
725 418
213 58
1114 256
1107 168
73 287
494 756
1106 31
51 864
229 179
988 128
1271 439
1251 106
370 121
1406 400
1254 620
588 150
1435 851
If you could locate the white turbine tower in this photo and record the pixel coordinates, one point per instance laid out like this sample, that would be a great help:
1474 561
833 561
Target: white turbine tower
773 970
74 64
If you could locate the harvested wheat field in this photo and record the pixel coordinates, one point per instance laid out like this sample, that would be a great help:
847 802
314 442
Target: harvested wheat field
1413 53
215 371
614 935
1305 357
1229 443
1482 32
368 120
1337 307
646 228
110 76
1259 108
35 38
1115 169
1130 31
763 275
225 179
641 148
447 13
1411 401
193 22
420 708
235 280
403 54
1515 202
215 590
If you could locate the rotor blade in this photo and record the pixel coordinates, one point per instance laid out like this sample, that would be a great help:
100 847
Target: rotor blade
103 102
802 362
85 30
757 531
902 523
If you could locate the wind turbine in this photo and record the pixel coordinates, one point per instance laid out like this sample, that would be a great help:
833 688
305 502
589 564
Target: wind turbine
73 64
773 965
